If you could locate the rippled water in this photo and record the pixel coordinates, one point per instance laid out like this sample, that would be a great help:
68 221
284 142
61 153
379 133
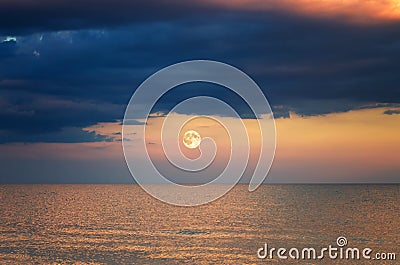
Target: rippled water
121 224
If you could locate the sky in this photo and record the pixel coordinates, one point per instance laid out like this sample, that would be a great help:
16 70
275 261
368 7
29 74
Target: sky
330 70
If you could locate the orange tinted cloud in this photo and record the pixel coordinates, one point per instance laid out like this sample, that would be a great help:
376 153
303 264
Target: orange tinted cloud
354 10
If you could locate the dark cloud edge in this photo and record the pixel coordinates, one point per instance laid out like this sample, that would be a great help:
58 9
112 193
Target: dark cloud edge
23 18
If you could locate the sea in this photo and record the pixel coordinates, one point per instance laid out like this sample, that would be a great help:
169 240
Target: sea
122 224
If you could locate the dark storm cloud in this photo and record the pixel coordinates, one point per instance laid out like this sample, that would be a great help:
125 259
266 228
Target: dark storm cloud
24 16
52 79
63 135
32 118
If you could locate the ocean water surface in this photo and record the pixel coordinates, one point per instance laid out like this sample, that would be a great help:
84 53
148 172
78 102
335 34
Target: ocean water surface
121 224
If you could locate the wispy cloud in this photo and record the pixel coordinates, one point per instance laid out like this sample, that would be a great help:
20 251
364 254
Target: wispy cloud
392 111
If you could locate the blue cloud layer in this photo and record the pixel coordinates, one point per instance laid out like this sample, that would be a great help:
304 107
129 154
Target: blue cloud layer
73 69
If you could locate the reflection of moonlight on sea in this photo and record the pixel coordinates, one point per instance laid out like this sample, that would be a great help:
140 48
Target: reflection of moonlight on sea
191 139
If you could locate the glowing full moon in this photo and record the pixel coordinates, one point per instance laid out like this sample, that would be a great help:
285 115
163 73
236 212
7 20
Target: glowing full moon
191 139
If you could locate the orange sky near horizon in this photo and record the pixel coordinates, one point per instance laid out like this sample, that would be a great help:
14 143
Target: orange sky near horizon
354 144
359 145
